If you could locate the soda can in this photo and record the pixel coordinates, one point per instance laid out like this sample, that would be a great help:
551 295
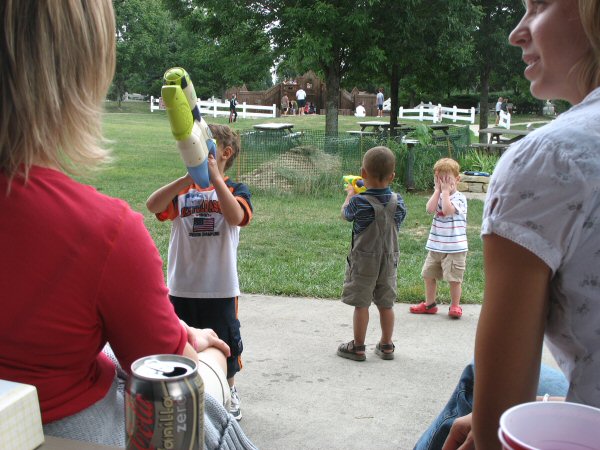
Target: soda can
164 404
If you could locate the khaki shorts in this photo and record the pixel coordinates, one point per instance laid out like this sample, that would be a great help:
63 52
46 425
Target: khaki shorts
445 266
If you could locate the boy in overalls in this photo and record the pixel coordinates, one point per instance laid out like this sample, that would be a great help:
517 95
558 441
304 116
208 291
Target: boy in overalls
372 265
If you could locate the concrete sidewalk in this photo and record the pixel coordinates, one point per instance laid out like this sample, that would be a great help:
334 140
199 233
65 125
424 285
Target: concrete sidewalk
297 394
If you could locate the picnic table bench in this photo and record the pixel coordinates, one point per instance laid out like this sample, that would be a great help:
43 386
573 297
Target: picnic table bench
361 133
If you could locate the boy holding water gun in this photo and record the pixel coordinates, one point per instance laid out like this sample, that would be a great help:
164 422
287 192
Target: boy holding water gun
371 271
202 264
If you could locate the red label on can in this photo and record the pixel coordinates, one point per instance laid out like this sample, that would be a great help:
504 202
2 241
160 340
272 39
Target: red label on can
162 412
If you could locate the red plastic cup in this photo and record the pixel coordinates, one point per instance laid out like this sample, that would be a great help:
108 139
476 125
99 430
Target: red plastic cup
550 426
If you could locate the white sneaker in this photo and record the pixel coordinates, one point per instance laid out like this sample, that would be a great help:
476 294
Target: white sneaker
234 408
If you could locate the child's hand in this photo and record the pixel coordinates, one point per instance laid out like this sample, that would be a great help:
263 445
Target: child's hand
213 169
350 190
436 182
447 183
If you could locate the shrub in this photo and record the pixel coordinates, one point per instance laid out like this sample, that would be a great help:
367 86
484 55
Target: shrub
478 161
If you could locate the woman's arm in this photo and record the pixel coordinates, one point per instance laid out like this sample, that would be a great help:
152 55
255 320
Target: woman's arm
510 332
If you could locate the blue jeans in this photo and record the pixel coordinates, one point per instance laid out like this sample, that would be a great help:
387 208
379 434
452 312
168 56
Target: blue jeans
461 403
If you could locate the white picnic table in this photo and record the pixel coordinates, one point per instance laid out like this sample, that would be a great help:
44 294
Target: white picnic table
274 126
376 125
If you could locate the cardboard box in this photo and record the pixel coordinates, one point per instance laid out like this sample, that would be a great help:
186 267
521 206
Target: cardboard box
20 417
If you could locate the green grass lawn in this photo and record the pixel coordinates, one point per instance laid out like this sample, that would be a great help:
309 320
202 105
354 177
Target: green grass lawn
295 245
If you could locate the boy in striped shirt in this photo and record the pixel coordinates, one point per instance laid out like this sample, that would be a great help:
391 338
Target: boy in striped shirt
447 242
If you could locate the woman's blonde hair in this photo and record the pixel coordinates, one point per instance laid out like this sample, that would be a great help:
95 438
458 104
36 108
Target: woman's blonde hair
57 60
589 66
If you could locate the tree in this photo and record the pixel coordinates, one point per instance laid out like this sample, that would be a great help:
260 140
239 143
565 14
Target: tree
145 48
231 47
426 43
331 37
492 48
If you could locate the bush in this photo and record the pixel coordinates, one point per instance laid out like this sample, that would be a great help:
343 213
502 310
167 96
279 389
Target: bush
414 166
478 161
462 100
525 103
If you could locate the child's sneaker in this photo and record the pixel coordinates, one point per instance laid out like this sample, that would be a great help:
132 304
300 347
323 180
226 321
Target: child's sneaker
234 408
455 312
422 308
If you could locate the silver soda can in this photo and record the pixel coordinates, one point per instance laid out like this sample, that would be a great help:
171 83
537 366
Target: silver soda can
164 404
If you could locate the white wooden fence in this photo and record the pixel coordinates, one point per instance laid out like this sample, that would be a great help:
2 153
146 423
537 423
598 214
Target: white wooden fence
216 108
435 113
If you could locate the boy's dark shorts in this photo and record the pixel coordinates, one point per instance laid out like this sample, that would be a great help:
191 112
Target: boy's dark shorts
220 314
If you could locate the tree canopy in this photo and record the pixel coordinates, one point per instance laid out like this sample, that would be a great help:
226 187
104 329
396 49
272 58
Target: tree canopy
417 49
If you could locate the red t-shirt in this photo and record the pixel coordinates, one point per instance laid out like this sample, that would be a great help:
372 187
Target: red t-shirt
77 269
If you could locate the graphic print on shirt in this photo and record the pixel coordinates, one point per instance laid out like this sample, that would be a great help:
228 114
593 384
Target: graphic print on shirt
203 226
203 209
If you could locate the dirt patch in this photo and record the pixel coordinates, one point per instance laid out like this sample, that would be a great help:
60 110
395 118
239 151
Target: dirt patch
298 165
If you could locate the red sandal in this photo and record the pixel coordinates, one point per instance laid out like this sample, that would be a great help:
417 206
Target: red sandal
423 308
455 312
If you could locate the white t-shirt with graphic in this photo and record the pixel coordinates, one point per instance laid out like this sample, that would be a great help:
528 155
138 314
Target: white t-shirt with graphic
202 259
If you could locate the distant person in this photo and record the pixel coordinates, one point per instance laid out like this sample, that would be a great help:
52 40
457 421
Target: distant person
232 108
380 101
447 242
301 98
202 264
360 111
79 268
294 107
285 104
504 105
312 109
498 109
372 264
